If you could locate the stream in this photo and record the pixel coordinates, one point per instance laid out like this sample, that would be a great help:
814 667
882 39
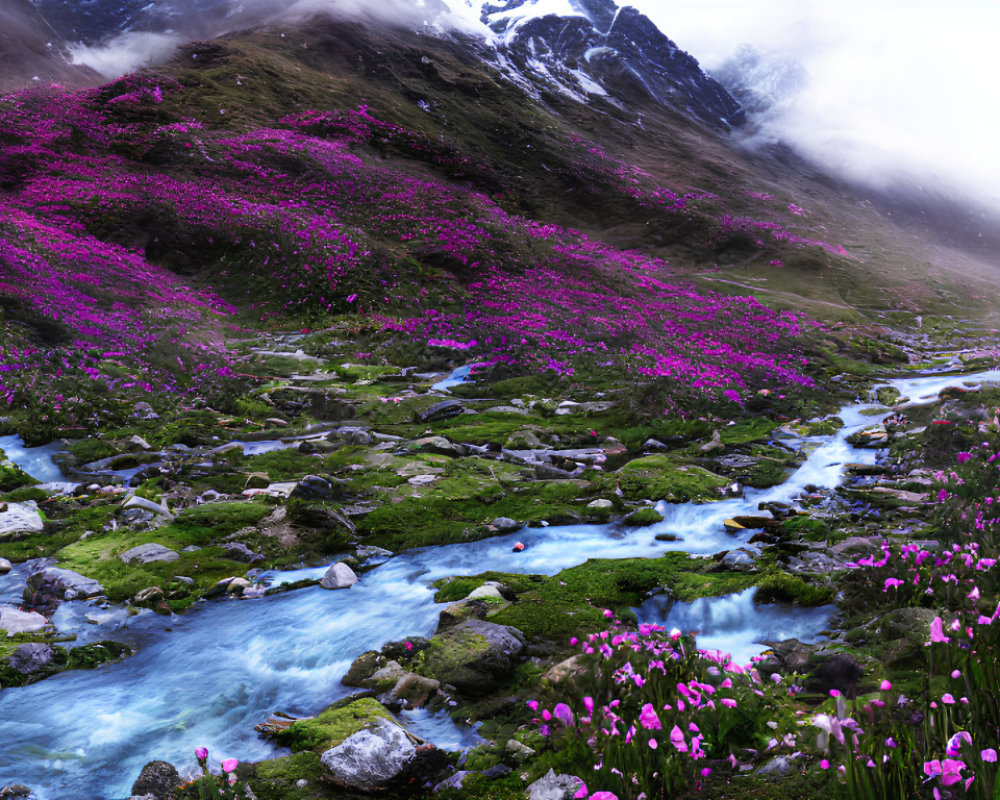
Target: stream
207 677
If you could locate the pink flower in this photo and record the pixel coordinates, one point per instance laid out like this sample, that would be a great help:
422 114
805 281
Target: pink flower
648 718
885 686
588 703
608 613
581 793
989 754
229 764
564 714
677 739
951 769
201 753
824 764
729 702
604 796
408 645
937 631
653 744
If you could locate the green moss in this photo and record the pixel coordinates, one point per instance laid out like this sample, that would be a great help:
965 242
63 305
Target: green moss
93 655
25 494
806 527
661 477
87 450
12 476
332 726
276 778
572 602
782 587
753 429
644 516
223 518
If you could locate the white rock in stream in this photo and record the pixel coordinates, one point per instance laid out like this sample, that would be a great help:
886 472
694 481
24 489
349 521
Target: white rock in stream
21 518
5 566
339 576
370 758
13 620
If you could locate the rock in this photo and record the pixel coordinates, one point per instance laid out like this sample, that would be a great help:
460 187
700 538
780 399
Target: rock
443 410
507 410
338 576
453 782
485 592
568 669
732 526
148 553
839 671
362 668
350 434
736 462
600 503
524 439
654 444
257 480
439 445
414 689
474 655
13 620
715 444
237 586
20 518
62 583
16 791
373 555
144 410
159 779
451 615
567 407
138 441
147 505
370 759
277 422
554 787
31 657
738 561
240 552
422 480
779 765
312 487
149 597
506 525
5 566
748 521
517 751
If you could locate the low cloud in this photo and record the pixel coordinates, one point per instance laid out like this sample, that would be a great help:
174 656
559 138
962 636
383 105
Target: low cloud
126 52
889 89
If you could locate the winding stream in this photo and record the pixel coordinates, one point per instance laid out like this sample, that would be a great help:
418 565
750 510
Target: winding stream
206 678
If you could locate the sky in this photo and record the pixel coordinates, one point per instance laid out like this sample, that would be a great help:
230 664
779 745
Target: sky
891 87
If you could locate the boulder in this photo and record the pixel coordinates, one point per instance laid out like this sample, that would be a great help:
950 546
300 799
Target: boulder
338 576
437 444
474 655
159 779
257 480
361 669
237 586
506 524
601 504
370 759
312 488
5 566
738 561
443 410
415 690
487 592
13 620
839 671
20 518
240 552
349 434
552 786
62 583
148 553
31 657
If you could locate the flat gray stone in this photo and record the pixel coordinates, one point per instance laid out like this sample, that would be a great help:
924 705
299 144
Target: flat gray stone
32 657
554 787
148 553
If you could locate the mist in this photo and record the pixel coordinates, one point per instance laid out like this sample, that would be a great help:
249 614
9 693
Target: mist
881 92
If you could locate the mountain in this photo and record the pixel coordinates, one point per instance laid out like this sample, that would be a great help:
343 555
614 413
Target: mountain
32 52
